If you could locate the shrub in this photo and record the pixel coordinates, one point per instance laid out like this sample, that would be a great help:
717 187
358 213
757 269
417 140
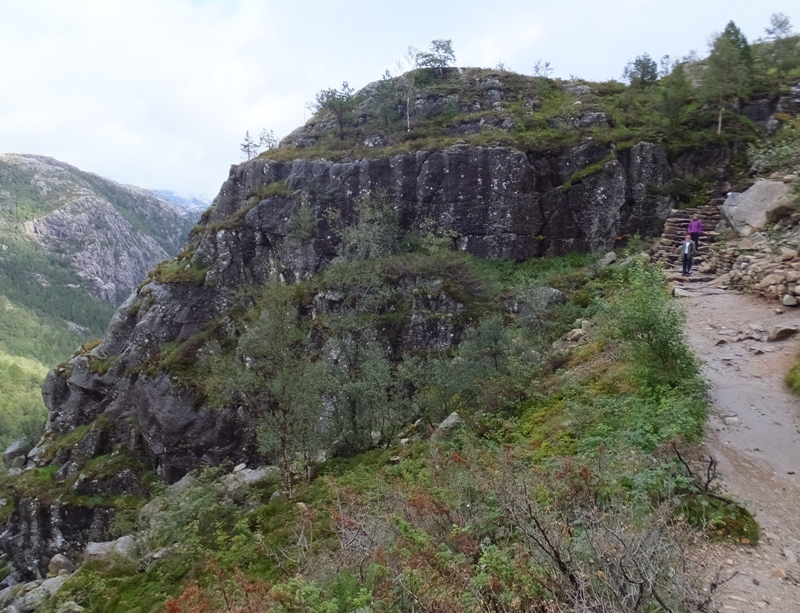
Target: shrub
651 326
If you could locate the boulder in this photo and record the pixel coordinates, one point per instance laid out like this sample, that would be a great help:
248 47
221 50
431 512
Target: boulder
71 607
607 260
52 585
18 448
593 120
6 596
789 300
781 333
31 601
107 552
449 426
58 563
750 211
238 484
775 278
579 90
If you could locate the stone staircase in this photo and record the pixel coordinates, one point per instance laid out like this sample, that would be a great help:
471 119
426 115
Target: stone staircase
666 250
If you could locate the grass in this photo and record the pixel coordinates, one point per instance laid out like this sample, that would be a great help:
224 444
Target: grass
180 271
594 434
793 378
590 170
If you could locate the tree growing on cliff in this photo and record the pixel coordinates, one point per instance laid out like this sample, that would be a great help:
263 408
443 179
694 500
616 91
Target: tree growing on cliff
728 70
339 102
782 52
641 72
267 140
673 93
385 96
271 376
249 147
376 231
357 389
439 56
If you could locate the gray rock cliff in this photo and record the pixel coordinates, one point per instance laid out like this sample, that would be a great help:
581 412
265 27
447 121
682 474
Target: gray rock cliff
495 202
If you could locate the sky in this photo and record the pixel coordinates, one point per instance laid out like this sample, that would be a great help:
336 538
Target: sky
160 93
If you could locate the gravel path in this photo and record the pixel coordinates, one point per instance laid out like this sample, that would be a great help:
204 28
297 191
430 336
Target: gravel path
754 432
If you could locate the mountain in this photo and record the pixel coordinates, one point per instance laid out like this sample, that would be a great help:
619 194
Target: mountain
73 245
389 369
191 206
152 384
108 234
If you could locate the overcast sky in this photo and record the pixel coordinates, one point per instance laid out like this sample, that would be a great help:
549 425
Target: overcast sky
159 93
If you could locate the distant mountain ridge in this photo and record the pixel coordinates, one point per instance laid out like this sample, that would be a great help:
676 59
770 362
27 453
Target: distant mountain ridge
191 206
110 234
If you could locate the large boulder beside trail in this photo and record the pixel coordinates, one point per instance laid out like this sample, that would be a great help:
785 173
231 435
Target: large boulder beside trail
751 210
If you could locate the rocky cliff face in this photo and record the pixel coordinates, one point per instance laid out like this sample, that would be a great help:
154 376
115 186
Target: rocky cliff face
110 234
494 202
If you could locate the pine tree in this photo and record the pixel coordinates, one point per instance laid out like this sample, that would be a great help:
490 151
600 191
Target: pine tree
339 102
641 72
673 93
728 70
249 146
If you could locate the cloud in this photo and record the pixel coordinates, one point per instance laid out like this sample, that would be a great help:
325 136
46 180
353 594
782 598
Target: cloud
159 93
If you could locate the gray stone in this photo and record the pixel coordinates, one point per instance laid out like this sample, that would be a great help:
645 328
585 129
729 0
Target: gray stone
277 495
573 336
449 426
789 300
106 552
52 585
71 607
608 259
18 448
593 120
750 211
58 563
579 90
32 601
6 596
780 333
238 484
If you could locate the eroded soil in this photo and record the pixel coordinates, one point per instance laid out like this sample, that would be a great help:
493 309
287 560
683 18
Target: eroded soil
754 433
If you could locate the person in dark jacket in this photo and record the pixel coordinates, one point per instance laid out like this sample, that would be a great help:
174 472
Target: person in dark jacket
695 229
687 251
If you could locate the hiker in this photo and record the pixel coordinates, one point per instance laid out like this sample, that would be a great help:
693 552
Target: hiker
688 251
695 230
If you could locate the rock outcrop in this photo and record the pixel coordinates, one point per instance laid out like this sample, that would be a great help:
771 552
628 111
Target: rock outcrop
493 202
496 203
750 211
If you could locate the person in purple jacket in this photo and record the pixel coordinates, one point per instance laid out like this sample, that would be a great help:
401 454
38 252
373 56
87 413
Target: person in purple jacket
694 230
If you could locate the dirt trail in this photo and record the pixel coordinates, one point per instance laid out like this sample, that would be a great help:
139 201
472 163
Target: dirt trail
754 432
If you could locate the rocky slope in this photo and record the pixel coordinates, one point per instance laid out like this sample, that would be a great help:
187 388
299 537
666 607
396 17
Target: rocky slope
109 234
72 246
493 202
